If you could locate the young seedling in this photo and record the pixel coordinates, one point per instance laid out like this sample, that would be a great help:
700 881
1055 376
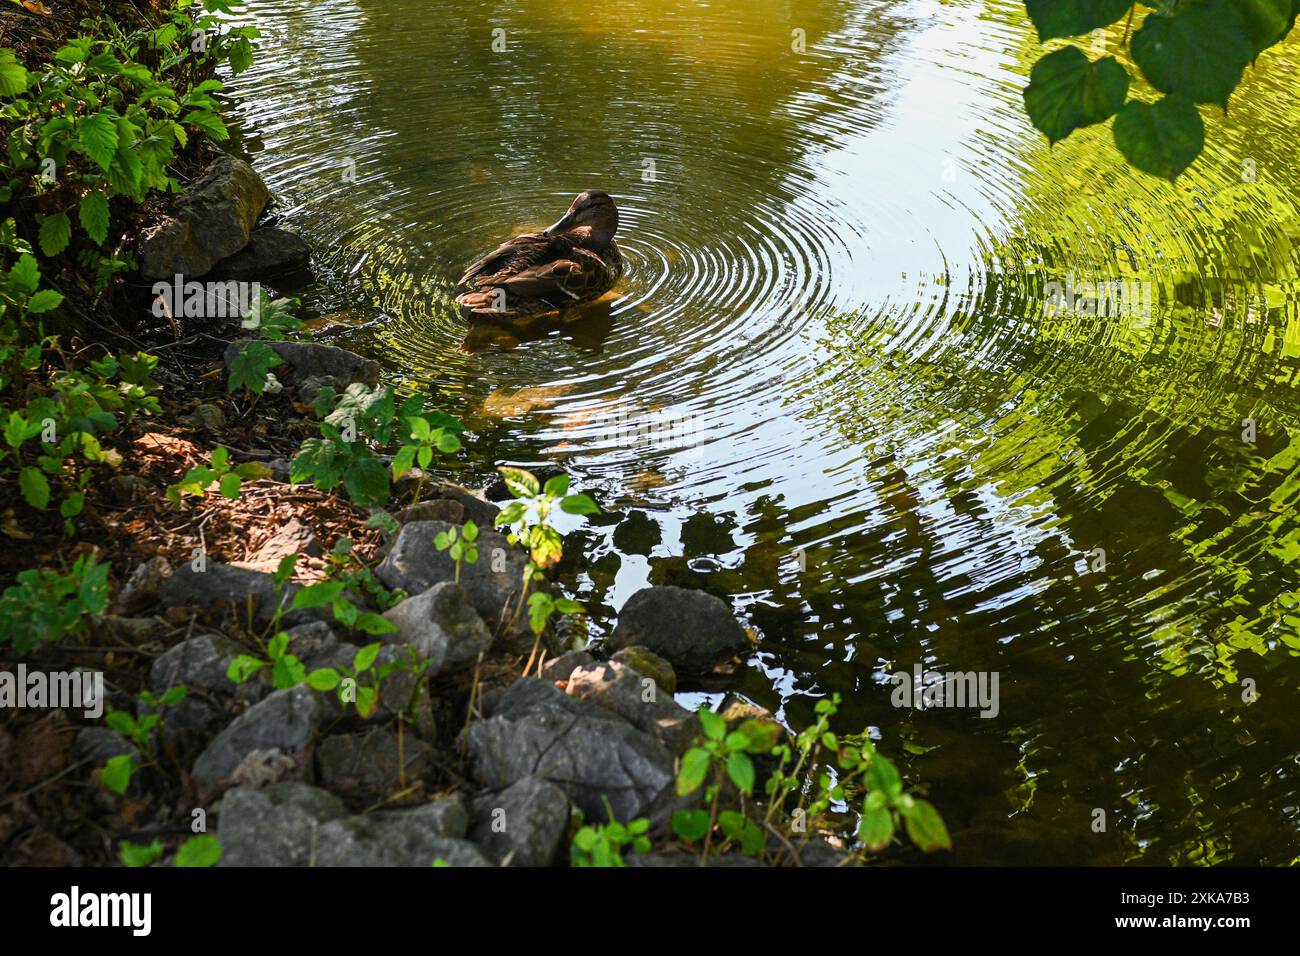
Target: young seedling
460 545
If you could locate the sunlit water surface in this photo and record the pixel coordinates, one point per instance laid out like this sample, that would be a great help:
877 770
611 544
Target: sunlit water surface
831 388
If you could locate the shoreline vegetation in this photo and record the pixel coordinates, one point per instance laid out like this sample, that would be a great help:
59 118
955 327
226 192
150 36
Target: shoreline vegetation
314 648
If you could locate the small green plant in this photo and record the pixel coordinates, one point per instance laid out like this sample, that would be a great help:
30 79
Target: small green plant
228 479
604 844
344 566
46 605
720 755
459 544
272 321
357 422
201 850
139 733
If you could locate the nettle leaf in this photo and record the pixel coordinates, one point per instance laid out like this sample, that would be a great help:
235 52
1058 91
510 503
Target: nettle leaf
35 487
1161 138
56 231
366 481
1199 52
1067 91
1071 18
93 215
251 366
97 136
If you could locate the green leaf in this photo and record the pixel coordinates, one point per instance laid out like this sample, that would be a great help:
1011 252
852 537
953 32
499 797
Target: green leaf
324 678
1067 91
1199 52
741 771
243 667
208 122
715 728
691 825
882 775
557 486
116 775
695 767
26 274
876 828
365 658
1163 138
288 671
56 232
316 595
1071 18
230 485
201 850
97 138
135 856
250 368
1266 21
579 504
366 481
35 487
925 826
13 75
44 301
520 483
93 215
372 623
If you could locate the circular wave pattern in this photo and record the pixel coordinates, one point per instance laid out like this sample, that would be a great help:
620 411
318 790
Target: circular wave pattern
903 383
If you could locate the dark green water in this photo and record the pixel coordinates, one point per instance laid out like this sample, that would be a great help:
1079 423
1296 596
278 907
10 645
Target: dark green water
832 387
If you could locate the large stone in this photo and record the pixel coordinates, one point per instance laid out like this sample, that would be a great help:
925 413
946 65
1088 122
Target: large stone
278 826
316 645
587 751
270 253
692 630
286 721
141 588
414 837
442 626
212 220
524 824
312 360
637 699
371 764
237 589
648 664
201 664
414 564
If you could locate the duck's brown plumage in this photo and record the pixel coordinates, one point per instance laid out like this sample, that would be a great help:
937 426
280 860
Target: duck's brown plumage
573 261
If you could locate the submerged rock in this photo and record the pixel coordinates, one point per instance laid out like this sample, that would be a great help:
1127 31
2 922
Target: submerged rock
692 630
587 751
212 220
271 252
493 582
441 625
524 824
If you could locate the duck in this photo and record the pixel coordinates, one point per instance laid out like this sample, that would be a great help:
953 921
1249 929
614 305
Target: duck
572 261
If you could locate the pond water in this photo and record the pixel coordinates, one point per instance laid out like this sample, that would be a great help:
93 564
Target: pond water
855 380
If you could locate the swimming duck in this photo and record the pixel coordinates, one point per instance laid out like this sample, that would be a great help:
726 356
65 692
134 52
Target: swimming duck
574 260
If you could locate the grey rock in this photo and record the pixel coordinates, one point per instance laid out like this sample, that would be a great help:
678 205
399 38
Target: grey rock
414 564
648 664
670 859
141 588
535 730
414 837
524 824
212 220
316 645
564 665
201 663
311 360
441 625
690 629
477 508
99 744
370 763
286 720
638 700
270 252
262 768
233 588
209 416
435 509
278 826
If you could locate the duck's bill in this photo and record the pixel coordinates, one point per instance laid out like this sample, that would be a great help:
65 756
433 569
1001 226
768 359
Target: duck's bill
560 225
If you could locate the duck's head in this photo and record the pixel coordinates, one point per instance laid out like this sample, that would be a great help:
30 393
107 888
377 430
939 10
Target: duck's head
591 221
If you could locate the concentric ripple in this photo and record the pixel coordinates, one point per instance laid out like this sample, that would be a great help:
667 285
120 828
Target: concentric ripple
856 378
